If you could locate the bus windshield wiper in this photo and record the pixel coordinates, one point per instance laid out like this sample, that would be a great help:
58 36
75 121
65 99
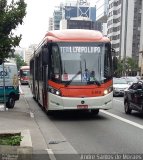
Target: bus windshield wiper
97 82
79 72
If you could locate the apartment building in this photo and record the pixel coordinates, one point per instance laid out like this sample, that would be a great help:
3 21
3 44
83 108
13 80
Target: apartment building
124 27
114 24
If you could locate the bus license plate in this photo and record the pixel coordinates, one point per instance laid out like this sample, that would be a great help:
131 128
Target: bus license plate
82 106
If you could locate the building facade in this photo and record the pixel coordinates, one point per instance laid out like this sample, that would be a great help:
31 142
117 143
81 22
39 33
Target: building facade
80 23
29 52
51 24
79 11
124 27
141 43
57 16
101 14
70 10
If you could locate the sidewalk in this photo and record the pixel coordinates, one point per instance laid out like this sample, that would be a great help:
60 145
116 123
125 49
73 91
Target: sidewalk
19 118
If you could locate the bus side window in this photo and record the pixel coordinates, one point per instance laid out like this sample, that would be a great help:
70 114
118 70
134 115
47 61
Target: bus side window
45 55
55 63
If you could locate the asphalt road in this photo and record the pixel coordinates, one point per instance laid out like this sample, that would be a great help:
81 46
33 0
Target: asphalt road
110 132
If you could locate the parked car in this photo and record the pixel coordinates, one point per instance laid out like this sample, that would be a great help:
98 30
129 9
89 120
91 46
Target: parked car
119 86
11 83
133 98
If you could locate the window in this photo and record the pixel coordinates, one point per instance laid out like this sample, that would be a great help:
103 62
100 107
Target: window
55 63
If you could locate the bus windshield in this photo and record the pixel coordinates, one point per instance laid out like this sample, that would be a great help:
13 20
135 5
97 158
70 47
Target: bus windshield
82 63
25 73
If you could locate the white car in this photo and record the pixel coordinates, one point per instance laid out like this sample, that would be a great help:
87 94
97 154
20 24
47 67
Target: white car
119 86
130 80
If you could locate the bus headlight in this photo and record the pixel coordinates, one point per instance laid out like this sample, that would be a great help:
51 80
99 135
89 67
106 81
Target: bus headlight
105 92
58 93
54 91
108 90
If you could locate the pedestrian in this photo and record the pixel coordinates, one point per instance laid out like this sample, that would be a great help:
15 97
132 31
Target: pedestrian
86 75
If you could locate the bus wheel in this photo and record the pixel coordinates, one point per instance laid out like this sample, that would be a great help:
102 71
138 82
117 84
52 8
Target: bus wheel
95 111
11 102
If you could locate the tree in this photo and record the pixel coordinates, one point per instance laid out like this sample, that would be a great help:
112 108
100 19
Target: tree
126 66
131 66
10 17
120 68
19 61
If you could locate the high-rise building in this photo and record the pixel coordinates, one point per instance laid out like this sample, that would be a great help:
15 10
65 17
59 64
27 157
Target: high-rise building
80 23
20 51
51 24
101 14
124 27
115 23
29 52
101 10
57 16
72 9
141 43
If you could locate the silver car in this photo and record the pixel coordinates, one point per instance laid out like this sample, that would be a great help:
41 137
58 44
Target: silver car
119 86
130 80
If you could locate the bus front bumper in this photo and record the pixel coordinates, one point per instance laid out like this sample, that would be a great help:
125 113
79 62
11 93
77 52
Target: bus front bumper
70 103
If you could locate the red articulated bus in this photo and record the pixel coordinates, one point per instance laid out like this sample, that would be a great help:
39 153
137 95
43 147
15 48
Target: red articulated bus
71 69
24 74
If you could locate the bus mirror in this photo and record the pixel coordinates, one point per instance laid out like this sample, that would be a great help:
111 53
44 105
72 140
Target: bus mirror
45 56
1 61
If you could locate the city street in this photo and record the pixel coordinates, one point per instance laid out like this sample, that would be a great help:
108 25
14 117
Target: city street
110 132
63 68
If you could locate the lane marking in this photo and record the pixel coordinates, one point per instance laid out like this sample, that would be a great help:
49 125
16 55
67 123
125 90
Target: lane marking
123 119
21 92
51 154
31 114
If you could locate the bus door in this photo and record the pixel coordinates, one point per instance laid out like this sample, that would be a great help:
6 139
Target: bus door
45 84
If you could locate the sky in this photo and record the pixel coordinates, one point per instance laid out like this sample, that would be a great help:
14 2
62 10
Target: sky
35 23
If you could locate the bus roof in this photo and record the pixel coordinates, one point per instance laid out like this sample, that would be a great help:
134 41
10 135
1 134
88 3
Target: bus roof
76 35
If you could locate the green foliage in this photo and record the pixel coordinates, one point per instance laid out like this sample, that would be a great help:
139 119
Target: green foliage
19 61
13 140
127 66
10 17
120 69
